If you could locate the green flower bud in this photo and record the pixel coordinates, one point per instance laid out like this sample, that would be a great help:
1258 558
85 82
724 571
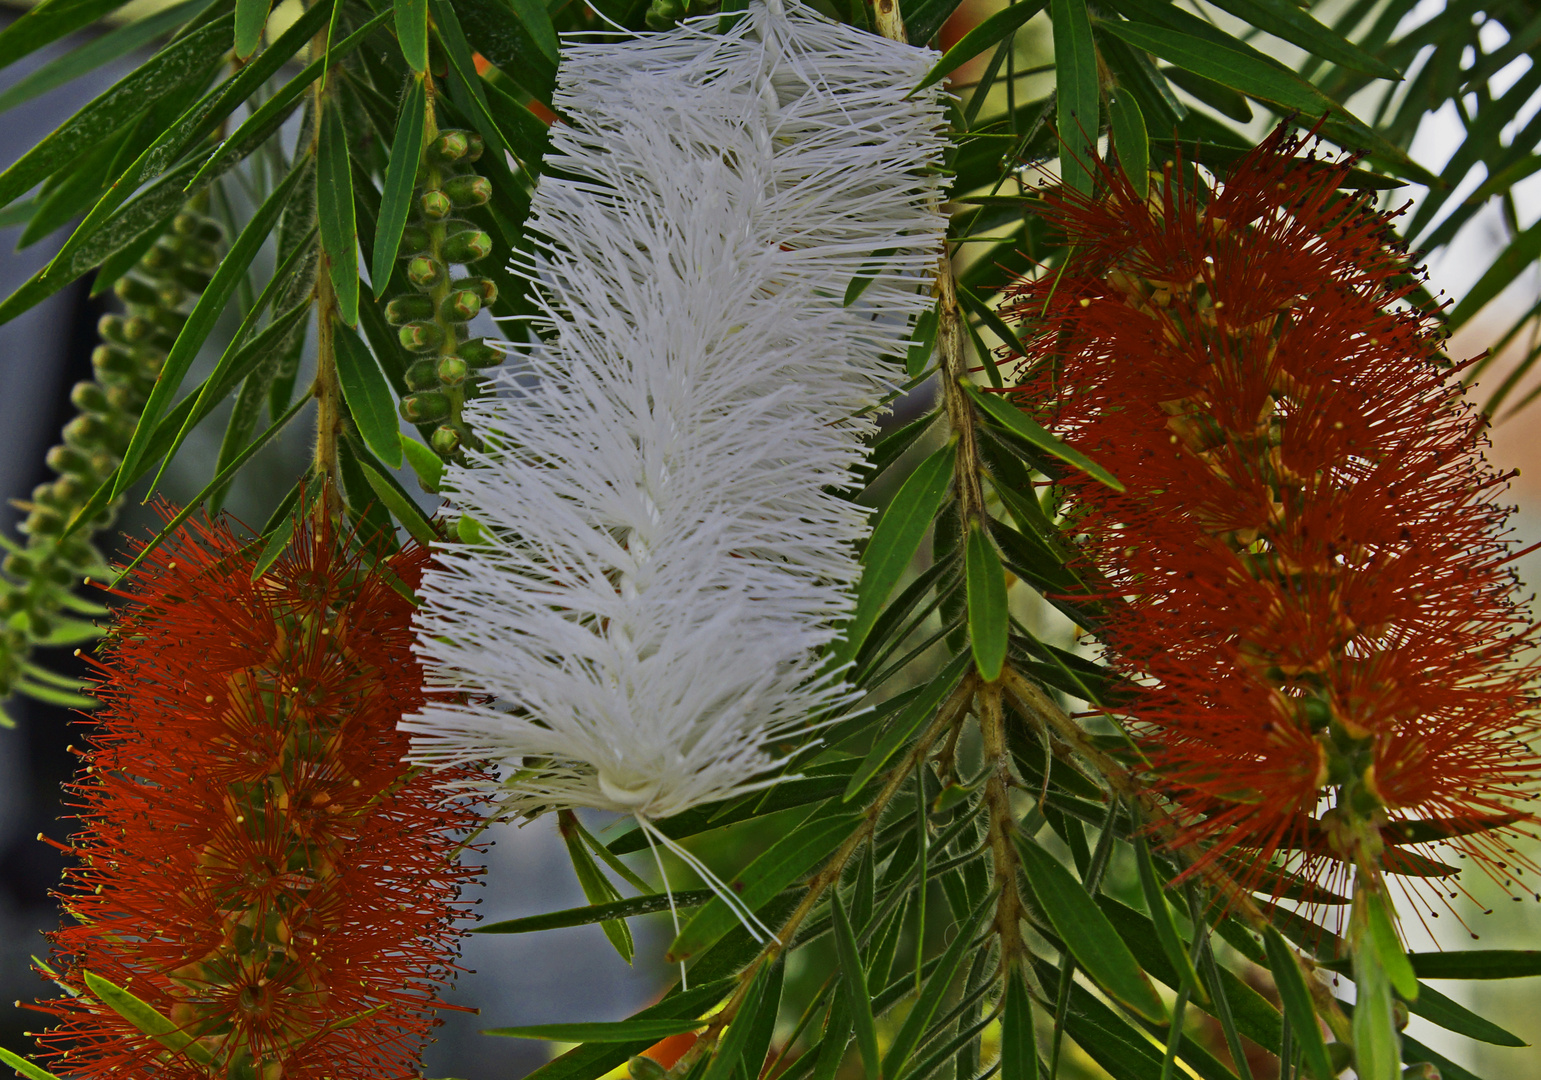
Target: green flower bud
85 432
404 309
479 354
89 397
160 258
136 290
445 440
18 565
467 246
423 375
43 522
434 205
110 360
420 336
170 293
70 491
425 271
39 625
424 407
452 370
468 190
449 147
197 227
70 462
485 288
414 238
460 306
477 147
113 328
11 602
121 397
198 254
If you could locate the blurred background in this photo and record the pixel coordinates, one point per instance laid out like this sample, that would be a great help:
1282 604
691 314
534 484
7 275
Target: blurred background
574 974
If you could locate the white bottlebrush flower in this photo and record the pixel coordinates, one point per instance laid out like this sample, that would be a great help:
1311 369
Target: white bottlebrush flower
662 555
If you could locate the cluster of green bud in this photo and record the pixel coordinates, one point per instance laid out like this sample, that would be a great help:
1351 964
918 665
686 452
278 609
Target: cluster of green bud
432 322
40 576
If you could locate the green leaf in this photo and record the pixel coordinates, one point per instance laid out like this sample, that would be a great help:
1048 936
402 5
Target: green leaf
402 508
412 33
858 1002
147 1019
1130 140
922 18
396 197
921 709
1087 933
988 620
278 542
48 22
1024 427
251 17
164 73
837 1035
986 35
1161 919
97 52
21 1064
919 1017
267 116
1289 22
1297 1005
524 132
593 913
762 1023
239 358
991 319
787 860
1388 944
592 1060
368 395
1019 1044
1260 79
922 342
536 21
597 888
1477 964
211 304
730 1046
1377 1054
428 465
894 542
1453 1016
498 34
334 208
221 478
52 695
620 1031
866 275
1075 78
1520 255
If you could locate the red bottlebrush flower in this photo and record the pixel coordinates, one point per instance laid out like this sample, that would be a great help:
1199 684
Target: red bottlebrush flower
1306 577
256 860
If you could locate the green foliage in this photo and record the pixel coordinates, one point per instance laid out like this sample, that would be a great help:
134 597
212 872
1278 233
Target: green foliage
910 870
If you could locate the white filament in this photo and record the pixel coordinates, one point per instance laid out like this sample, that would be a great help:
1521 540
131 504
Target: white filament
663 552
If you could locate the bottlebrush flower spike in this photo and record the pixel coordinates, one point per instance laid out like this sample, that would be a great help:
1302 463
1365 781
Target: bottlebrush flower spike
255 860
1308 573
662 554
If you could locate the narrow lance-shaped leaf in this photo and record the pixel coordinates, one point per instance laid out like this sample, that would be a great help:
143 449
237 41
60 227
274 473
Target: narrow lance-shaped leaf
1024 427
99 51
147 1019
48 22
915 715
1076 82
396 197
1019 1044
784 862
894 542
858 1003
596 887
22 1065
593 913
1130 140
988 618
919 1017
211 304
412 32
402 508
620 1031
537 22
732 1043
368 394
334 209
1297 1005
1087 933
987 34
1161 918
250 18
